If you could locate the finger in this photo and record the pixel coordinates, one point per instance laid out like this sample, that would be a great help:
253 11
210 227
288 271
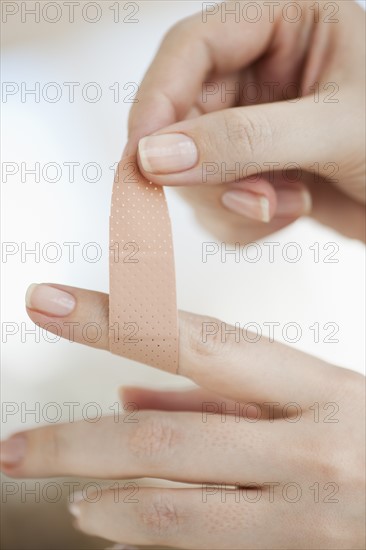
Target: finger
331 207
214 518
189 53
230 144
76 314
216 356
196 400
287 201
180 446
260 200
183 400
226 225
256 200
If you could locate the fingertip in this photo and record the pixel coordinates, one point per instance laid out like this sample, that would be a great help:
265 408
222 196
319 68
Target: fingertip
137 395
293 202
12 455
125 393
75 314
50 300
164 154
256 200
129 149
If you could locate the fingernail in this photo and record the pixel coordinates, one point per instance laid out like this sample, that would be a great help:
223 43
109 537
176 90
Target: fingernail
167 153
49 300
251 205
12 450
292 203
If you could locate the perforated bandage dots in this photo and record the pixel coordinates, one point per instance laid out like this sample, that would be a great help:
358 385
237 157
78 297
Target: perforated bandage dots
142 302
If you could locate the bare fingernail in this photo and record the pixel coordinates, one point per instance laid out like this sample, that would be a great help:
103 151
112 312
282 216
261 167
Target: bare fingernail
292 203
251 205
12 450
167 153
49 300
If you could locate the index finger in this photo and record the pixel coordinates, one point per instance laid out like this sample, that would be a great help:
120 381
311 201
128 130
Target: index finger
192 50
209 351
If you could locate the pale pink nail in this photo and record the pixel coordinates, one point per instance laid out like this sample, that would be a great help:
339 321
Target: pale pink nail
12 450
167 153
251 205
49 300
292 203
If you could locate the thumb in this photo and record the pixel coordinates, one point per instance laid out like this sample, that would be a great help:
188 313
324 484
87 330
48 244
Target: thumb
233 144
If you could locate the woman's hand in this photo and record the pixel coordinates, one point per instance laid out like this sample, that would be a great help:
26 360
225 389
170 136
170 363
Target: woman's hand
273 440
259 121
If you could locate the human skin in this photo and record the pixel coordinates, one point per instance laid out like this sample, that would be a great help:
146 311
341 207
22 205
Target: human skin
291 447
320 134
171 439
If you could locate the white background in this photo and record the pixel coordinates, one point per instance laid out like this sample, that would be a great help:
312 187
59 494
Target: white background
105 52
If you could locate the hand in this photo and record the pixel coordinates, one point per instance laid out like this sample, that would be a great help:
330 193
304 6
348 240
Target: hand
201 131
298 478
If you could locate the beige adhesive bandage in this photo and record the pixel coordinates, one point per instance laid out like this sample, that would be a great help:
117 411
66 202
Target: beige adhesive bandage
142 298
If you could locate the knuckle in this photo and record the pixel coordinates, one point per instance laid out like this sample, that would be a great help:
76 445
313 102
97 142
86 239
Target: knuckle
247 132
329 467
153 437
344 466
158 515
204 342
180 30
349 386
